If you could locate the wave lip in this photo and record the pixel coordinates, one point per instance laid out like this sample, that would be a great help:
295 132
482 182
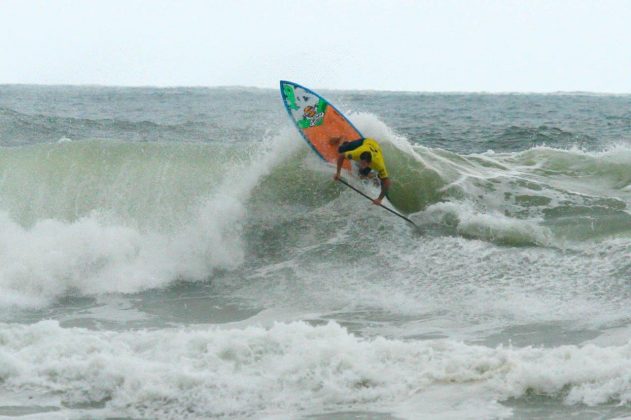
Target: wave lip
133 225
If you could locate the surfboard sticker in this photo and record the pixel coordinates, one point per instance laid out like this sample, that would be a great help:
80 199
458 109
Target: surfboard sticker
320 123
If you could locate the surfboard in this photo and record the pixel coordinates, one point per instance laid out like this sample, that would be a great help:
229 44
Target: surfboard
322 125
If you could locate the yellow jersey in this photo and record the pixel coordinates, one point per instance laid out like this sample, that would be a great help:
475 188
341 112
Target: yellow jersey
377 163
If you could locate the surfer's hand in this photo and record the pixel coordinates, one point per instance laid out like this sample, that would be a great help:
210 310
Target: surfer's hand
336 177
377 201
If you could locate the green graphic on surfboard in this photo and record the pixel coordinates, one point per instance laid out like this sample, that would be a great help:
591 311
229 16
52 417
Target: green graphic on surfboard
307 109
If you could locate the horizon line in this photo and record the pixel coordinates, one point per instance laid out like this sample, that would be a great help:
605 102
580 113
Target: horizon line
367 90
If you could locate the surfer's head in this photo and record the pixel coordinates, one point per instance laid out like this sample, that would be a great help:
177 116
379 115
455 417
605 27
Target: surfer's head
364 159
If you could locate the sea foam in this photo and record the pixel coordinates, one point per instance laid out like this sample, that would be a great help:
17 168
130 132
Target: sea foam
292 368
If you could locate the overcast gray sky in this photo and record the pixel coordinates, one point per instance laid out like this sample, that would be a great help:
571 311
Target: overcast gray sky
344 44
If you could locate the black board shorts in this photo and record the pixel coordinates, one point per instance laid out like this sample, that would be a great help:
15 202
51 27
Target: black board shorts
350 145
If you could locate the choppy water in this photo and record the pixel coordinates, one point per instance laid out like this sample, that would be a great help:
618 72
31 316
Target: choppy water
181 253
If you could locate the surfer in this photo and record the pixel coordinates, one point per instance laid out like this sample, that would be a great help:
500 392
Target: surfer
367 152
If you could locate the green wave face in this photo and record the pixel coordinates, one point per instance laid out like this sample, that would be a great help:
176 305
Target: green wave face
568 193
147 183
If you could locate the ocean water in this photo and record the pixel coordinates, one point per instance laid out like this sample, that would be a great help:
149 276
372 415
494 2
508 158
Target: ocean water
181 253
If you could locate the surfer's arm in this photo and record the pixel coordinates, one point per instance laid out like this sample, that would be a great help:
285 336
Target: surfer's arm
385 186
340 161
